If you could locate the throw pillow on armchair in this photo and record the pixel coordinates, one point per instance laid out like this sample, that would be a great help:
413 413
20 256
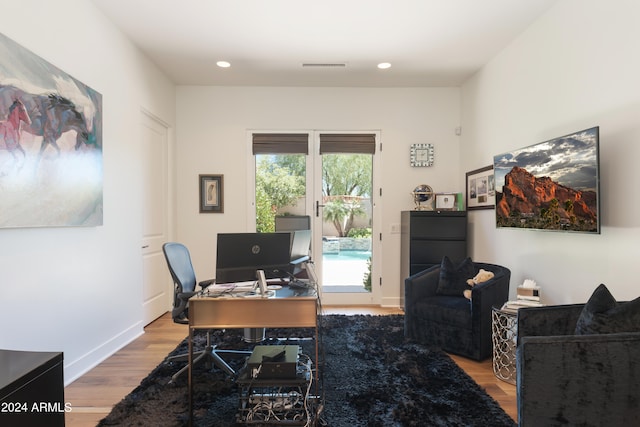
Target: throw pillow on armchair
453 278
603 315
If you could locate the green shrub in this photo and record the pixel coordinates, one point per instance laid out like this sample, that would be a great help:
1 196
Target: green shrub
359 233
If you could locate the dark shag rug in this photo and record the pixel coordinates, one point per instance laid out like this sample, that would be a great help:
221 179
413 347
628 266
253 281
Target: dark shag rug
370 376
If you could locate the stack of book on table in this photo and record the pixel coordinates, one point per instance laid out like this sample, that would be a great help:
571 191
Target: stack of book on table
528 296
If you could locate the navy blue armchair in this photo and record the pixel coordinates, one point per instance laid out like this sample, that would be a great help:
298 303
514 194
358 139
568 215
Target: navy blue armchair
453 323
564 379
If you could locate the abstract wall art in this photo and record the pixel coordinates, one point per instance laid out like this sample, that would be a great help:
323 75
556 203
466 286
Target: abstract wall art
50 144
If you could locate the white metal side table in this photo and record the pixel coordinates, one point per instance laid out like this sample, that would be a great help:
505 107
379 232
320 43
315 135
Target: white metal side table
504 326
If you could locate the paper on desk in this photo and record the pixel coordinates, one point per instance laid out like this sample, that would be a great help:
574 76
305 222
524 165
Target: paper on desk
231 287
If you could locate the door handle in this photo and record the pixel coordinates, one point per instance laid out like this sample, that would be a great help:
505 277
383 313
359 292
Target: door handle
145 246
318 206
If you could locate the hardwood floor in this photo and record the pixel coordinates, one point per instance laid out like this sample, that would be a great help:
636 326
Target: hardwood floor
93 395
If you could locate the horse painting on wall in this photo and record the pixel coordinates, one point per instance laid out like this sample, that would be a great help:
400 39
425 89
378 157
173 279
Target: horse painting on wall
50 144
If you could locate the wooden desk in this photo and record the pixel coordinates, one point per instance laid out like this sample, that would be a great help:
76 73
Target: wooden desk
289 308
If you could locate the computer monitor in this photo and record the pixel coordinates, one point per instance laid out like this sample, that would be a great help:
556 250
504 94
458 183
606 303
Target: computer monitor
240 255
300 244
292 222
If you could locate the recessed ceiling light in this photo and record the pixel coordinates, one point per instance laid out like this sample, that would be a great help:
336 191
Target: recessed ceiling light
223 64
384 65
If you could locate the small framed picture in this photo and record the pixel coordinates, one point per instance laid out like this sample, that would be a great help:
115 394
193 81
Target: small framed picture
481 189
446 202
211 194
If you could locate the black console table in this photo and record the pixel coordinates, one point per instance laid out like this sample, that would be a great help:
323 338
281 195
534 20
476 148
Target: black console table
31 389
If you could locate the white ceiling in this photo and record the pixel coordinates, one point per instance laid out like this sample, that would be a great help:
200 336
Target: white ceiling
428 42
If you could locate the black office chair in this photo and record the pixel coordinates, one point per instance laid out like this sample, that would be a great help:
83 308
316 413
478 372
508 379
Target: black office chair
184 279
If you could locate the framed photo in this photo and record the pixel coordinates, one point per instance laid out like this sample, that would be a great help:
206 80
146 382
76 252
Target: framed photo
446 202
211 194
481 189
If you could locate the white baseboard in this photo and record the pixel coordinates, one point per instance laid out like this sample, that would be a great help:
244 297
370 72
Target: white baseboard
76 368
391 302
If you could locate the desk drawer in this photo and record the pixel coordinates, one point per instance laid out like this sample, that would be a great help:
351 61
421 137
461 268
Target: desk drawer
252 312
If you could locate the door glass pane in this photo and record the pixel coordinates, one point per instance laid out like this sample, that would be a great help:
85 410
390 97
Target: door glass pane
280 188
347 221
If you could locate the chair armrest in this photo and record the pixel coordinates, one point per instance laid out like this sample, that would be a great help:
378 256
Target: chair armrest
181 307
548 320
421 285
184 296
206 283
578 380
494 292
485 296
416 288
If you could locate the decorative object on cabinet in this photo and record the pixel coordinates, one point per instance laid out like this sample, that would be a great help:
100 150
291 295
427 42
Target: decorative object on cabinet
423 194
446 202
481 189
422 155
426 237
211 194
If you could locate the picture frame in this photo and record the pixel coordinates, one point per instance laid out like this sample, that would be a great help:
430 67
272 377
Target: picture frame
481 189
211 193
446 202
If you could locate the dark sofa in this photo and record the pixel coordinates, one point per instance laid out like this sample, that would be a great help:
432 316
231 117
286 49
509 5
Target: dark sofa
454 323
565 379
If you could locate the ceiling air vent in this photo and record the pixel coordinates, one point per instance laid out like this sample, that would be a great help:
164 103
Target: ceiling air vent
325 64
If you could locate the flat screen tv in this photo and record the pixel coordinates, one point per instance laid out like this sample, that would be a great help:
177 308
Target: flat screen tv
240 255
553 185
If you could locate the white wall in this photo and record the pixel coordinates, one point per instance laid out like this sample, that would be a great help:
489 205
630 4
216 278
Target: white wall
212 124
576 67
78 290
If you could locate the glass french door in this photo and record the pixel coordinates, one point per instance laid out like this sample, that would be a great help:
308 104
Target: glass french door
335 184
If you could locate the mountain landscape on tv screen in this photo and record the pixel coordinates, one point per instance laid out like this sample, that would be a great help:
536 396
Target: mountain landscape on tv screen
527 201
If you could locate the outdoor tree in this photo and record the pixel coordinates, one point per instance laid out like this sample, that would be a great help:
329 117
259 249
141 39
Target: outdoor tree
341 213
280 181
277 185
345 179
346 175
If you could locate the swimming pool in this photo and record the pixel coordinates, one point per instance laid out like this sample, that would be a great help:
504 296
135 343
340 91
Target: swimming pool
348 255
346 268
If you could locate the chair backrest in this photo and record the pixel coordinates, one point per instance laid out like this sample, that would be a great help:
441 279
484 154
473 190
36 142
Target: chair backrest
184 279
180 267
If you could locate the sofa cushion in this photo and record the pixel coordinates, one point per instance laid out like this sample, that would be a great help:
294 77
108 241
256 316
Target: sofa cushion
453 278
603 315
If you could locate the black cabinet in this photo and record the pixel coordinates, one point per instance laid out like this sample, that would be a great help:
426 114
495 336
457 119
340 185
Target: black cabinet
427 236
31 389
